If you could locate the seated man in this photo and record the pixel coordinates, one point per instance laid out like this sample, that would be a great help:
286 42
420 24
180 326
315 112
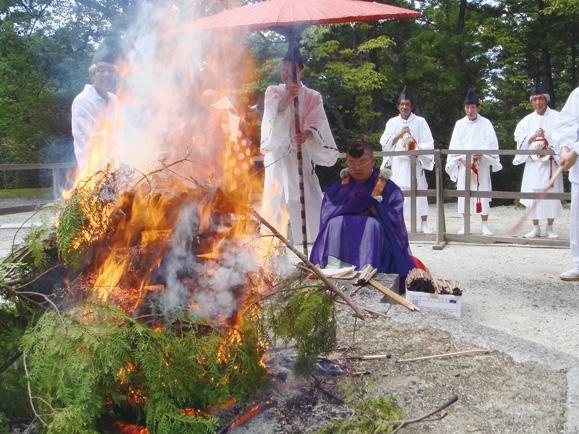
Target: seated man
362 219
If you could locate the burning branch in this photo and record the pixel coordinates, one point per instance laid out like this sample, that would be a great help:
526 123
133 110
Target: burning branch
158 268
247 415
311 266
165 167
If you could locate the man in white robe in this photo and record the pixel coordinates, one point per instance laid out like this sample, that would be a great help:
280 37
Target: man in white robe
401 132
279 143
535 131
566 137
474 132
94 108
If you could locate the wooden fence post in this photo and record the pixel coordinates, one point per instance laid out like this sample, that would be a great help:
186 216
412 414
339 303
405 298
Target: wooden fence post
440 217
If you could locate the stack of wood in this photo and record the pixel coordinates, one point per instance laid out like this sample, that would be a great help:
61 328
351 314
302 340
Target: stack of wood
419 280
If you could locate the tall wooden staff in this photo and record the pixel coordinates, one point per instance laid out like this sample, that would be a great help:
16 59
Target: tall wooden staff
294 54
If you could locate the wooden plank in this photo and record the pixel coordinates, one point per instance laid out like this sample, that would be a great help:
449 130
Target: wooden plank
393 295
497 239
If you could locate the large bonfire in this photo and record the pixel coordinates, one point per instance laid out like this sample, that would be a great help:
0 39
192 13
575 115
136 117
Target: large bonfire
151 281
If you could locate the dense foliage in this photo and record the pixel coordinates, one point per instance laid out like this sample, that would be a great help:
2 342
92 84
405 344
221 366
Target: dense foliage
130 358
118 369
306 318
500 48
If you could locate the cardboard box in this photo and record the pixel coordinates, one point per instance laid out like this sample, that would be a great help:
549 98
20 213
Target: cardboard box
447 304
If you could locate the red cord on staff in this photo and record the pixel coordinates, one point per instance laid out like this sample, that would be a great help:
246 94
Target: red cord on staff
474 168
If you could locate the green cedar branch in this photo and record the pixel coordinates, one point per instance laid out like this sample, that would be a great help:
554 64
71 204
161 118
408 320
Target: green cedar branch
332 286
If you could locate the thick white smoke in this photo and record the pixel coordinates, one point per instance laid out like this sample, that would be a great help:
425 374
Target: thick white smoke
169 79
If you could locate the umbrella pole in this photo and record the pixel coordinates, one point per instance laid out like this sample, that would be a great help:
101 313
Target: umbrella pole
301 181
295 51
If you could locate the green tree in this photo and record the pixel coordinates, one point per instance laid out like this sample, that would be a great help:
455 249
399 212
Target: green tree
45 51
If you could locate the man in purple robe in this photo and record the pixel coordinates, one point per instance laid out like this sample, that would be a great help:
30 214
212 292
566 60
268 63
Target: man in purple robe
362 219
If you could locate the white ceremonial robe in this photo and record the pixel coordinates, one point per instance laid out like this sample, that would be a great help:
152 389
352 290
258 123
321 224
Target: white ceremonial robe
473 135
566 133
91 115
401 165
537 173
281 191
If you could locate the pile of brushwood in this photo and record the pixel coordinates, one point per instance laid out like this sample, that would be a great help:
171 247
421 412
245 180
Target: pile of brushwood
71 363
419 280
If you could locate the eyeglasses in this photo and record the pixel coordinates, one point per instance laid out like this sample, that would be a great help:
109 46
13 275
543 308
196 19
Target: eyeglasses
105 69
360 162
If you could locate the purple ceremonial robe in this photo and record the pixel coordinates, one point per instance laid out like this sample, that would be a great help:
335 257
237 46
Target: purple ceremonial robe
360 230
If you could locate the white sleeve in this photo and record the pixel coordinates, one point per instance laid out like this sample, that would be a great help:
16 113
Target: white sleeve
387 141
83 121
566 131
275 125
321 146
521 136
492 142
453 161
424 140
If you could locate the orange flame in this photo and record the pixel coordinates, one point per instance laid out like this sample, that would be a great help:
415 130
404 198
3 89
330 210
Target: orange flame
167 187
176 140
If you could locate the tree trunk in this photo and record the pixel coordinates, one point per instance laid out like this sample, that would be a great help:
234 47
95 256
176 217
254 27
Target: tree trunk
461 17
546 54
460 23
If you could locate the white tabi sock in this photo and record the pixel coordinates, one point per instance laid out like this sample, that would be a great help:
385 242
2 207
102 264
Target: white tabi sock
485 228
534 233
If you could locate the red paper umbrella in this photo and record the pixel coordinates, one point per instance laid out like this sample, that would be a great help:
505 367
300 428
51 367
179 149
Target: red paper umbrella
290 17
280 13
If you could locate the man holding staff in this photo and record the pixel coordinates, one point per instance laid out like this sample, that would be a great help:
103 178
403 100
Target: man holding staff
535 131
279 146
407 132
